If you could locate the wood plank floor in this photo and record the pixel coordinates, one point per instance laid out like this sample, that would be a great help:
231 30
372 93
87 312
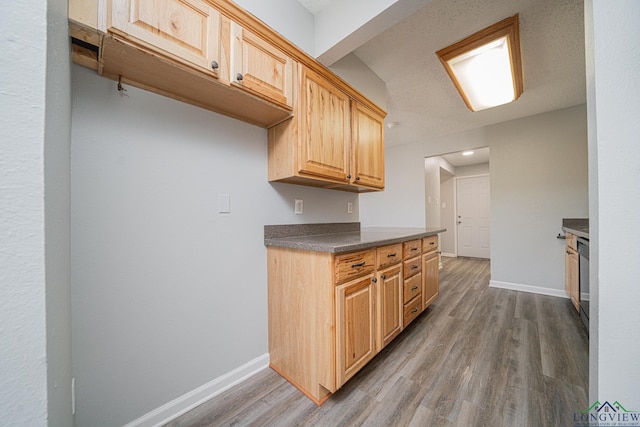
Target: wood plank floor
478 356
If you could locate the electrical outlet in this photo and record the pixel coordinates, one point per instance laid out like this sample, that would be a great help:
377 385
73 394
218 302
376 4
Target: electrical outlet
349 207
298 209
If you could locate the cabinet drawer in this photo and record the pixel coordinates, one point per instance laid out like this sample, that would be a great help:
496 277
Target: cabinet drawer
412 287
429 243
412 267
412 310
354 264
389 255
412 248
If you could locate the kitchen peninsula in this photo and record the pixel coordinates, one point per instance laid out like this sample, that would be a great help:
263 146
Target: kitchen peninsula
338 294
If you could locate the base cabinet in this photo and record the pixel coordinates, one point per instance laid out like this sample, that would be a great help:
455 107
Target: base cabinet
390 305
572 270
431 270
355 326
330 314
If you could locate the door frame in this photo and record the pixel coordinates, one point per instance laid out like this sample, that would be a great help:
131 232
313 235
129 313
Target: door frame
455 206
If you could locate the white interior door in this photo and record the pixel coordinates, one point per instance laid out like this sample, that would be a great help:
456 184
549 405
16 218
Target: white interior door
473 210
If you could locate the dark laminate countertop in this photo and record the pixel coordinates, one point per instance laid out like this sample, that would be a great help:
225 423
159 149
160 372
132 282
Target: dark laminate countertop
577 226
346 240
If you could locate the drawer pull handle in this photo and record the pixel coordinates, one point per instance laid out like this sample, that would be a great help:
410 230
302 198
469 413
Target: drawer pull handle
360 264
432 243
414 288
413 267
392 255
415 310
414 249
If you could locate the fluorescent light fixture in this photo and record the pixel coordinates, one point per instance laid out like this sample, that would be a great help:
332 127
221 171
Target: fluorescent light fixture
467 153
486 67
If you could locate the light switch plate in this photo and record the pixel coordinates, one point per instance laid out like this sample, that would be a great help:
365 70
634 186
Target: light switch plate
224 203
299 207
349 207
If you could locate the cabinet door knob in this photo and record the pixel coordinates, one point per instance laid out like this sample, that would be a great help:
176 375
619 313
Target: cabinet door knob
239 77
357 178
214 65
384 277
348 176
374 280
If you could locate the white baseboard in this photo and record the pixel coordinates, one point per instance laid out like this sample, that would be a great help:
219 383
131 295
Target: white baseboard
528 288
190 400
448 255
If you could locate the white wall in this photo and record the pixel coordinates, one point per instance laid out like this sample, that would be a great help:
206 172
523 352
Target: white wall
613 55
538 176
447 214
533 187
358 75
432 168
57 169
470 170
34 101
288 17
168 294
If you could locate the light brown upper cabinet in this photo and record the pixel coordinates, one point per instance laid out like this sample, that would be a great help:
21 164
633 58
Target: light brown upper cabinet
215 55
368 147
325 129
332 140
260 68
188 31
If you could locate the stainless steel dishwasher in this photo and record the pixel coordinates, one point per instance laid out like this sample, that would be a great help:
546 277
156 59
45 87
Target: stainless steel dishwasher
583 251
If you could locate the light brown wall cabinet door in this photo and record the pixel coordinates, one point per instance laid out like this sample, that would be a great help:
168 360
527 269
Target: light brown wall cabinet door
430 274
325 129
389 304
260 68
367 147
187 31
574 271
355 326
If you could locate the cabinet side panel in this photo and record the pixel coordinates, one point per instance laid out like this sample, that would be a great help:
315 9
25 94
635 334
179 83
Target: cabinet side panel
301 318
281 150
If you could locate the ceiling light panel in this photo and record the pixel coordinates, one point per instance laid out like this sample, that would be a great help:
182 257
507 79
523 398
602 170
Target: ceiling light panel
486 67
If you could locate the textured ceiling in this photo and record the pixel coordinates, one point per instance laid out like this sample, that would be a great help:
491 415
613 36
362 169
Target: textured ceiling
422 98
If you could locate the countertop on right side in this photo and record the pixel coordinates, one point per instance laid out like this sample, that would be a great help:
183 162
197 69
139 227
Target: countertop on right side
577 226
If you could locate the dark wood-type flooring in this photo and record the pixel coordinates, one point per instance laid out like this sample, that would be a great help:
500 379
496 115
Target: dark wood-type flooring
478 356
